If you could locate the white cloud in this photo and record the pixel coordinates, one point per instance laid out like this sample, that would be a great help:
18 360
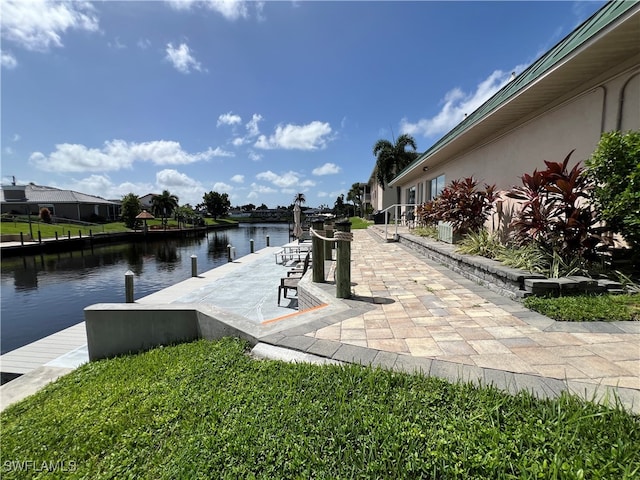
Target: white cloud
287 180
117 155
252 125
172 178
238 178
8 60
257 189
15 137
229 119
102 186
39 24
327 169
182 59
8 150
254 157
222 187
456 104
229 9
312 136
238 141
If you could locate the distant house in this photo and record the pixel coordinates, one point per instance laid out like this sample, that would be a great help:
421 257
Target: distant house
589 83
24 199
146 201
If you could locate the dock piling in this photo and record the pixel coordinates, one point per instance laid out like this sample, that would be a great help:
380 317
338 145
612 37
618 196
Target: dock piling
194 266
128 286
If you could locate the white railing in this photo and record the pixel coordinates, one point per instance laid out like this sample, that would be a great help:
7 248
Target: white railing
396 216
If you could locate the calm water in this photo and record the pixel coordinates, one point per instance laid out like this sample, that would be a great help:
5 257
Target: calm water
44 294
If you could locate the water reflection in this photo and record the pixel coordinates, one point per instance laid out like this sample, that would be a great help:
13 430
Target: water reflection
43 294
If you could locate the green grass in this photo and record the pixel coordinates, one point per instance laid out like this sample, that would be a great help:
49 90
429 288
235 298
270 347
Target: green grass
62 229
48 230
206 410
588 308
358 223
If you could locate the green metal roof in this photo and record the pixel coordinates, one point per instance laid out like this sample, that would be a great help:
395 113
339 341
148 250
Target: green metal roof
610 12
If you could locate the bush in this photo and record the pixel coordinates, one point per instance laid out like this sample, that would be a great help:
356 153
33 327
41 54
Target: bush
462 204
614 168
45 215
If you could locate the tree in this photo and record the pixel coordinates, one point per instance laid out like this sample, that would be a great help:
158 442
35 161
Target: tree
130 209
249 207
339 208
163 205
355 195
217 204
392 158
614 168
299 199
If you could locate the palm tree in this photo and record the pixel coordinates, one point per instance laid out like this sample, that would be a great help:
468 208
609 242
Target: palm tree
299 199
164 204
393 158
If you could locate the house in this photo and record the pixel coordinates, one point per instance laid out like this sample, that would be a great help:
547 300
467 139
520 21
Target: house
587 84
29 199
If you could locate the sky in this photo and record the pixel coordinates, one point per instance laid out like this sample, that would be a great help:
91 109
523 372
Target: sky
259 100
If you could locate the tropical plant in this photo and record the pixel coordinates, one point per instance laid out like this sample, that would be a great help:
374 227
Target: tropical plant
45 215
614 168
355 195
482 243
392 158
465 206
163 205
555 212
130 209
217 204
427 215
299 199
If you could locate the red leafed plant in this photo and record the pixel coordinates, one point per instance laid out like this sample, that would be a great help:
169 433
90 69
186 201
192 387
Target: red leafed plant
555 213
464 205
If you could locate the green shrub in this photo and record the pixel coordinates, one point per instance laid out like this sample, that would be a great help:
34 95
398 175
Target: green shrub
481 243
614 168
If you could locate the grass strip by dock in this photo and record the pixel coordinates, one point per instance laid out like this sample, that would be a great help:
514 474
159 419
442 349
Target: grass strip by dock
207 410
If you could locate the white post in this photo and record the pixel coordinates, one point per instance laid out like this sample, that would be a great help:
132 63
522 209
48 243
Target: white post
128 286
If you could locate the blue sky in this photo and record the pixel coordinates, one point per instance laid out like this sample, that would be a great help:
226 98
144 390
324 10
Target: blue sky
260 100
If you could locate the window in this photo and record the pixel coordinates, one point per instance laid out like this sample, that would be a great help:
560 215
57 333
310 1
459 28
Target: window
436 185
411 195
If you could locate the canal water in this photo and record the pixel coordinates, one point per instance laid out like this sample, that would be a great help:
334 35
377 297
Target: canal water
43 294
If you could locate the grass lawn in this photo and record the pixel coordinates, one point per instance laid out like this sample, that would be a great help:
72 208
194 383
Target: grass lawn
207 410
359 223
588 308
48 230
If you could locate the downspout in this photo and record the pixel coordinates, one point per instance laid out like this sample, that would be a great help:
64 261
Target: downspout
621 100
604 108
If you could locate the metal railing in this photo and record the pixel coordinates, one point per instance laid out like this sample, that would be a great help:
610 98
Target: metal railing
396 216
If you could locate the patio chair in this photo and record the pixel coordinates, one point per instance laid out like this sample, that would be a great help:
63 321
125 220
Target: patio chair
299 271
291 282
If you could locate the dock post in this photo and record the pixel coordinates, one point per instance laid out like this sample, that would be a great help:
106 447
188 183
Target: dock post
128 286
21 239
328 246
68 234
229 253
194 266
318 252
56 236
251 245
80 233
39 237
343 262
267 240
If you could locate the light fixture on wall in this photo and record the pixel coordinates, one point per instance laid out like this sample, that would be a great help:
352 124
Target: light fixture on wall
425 168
